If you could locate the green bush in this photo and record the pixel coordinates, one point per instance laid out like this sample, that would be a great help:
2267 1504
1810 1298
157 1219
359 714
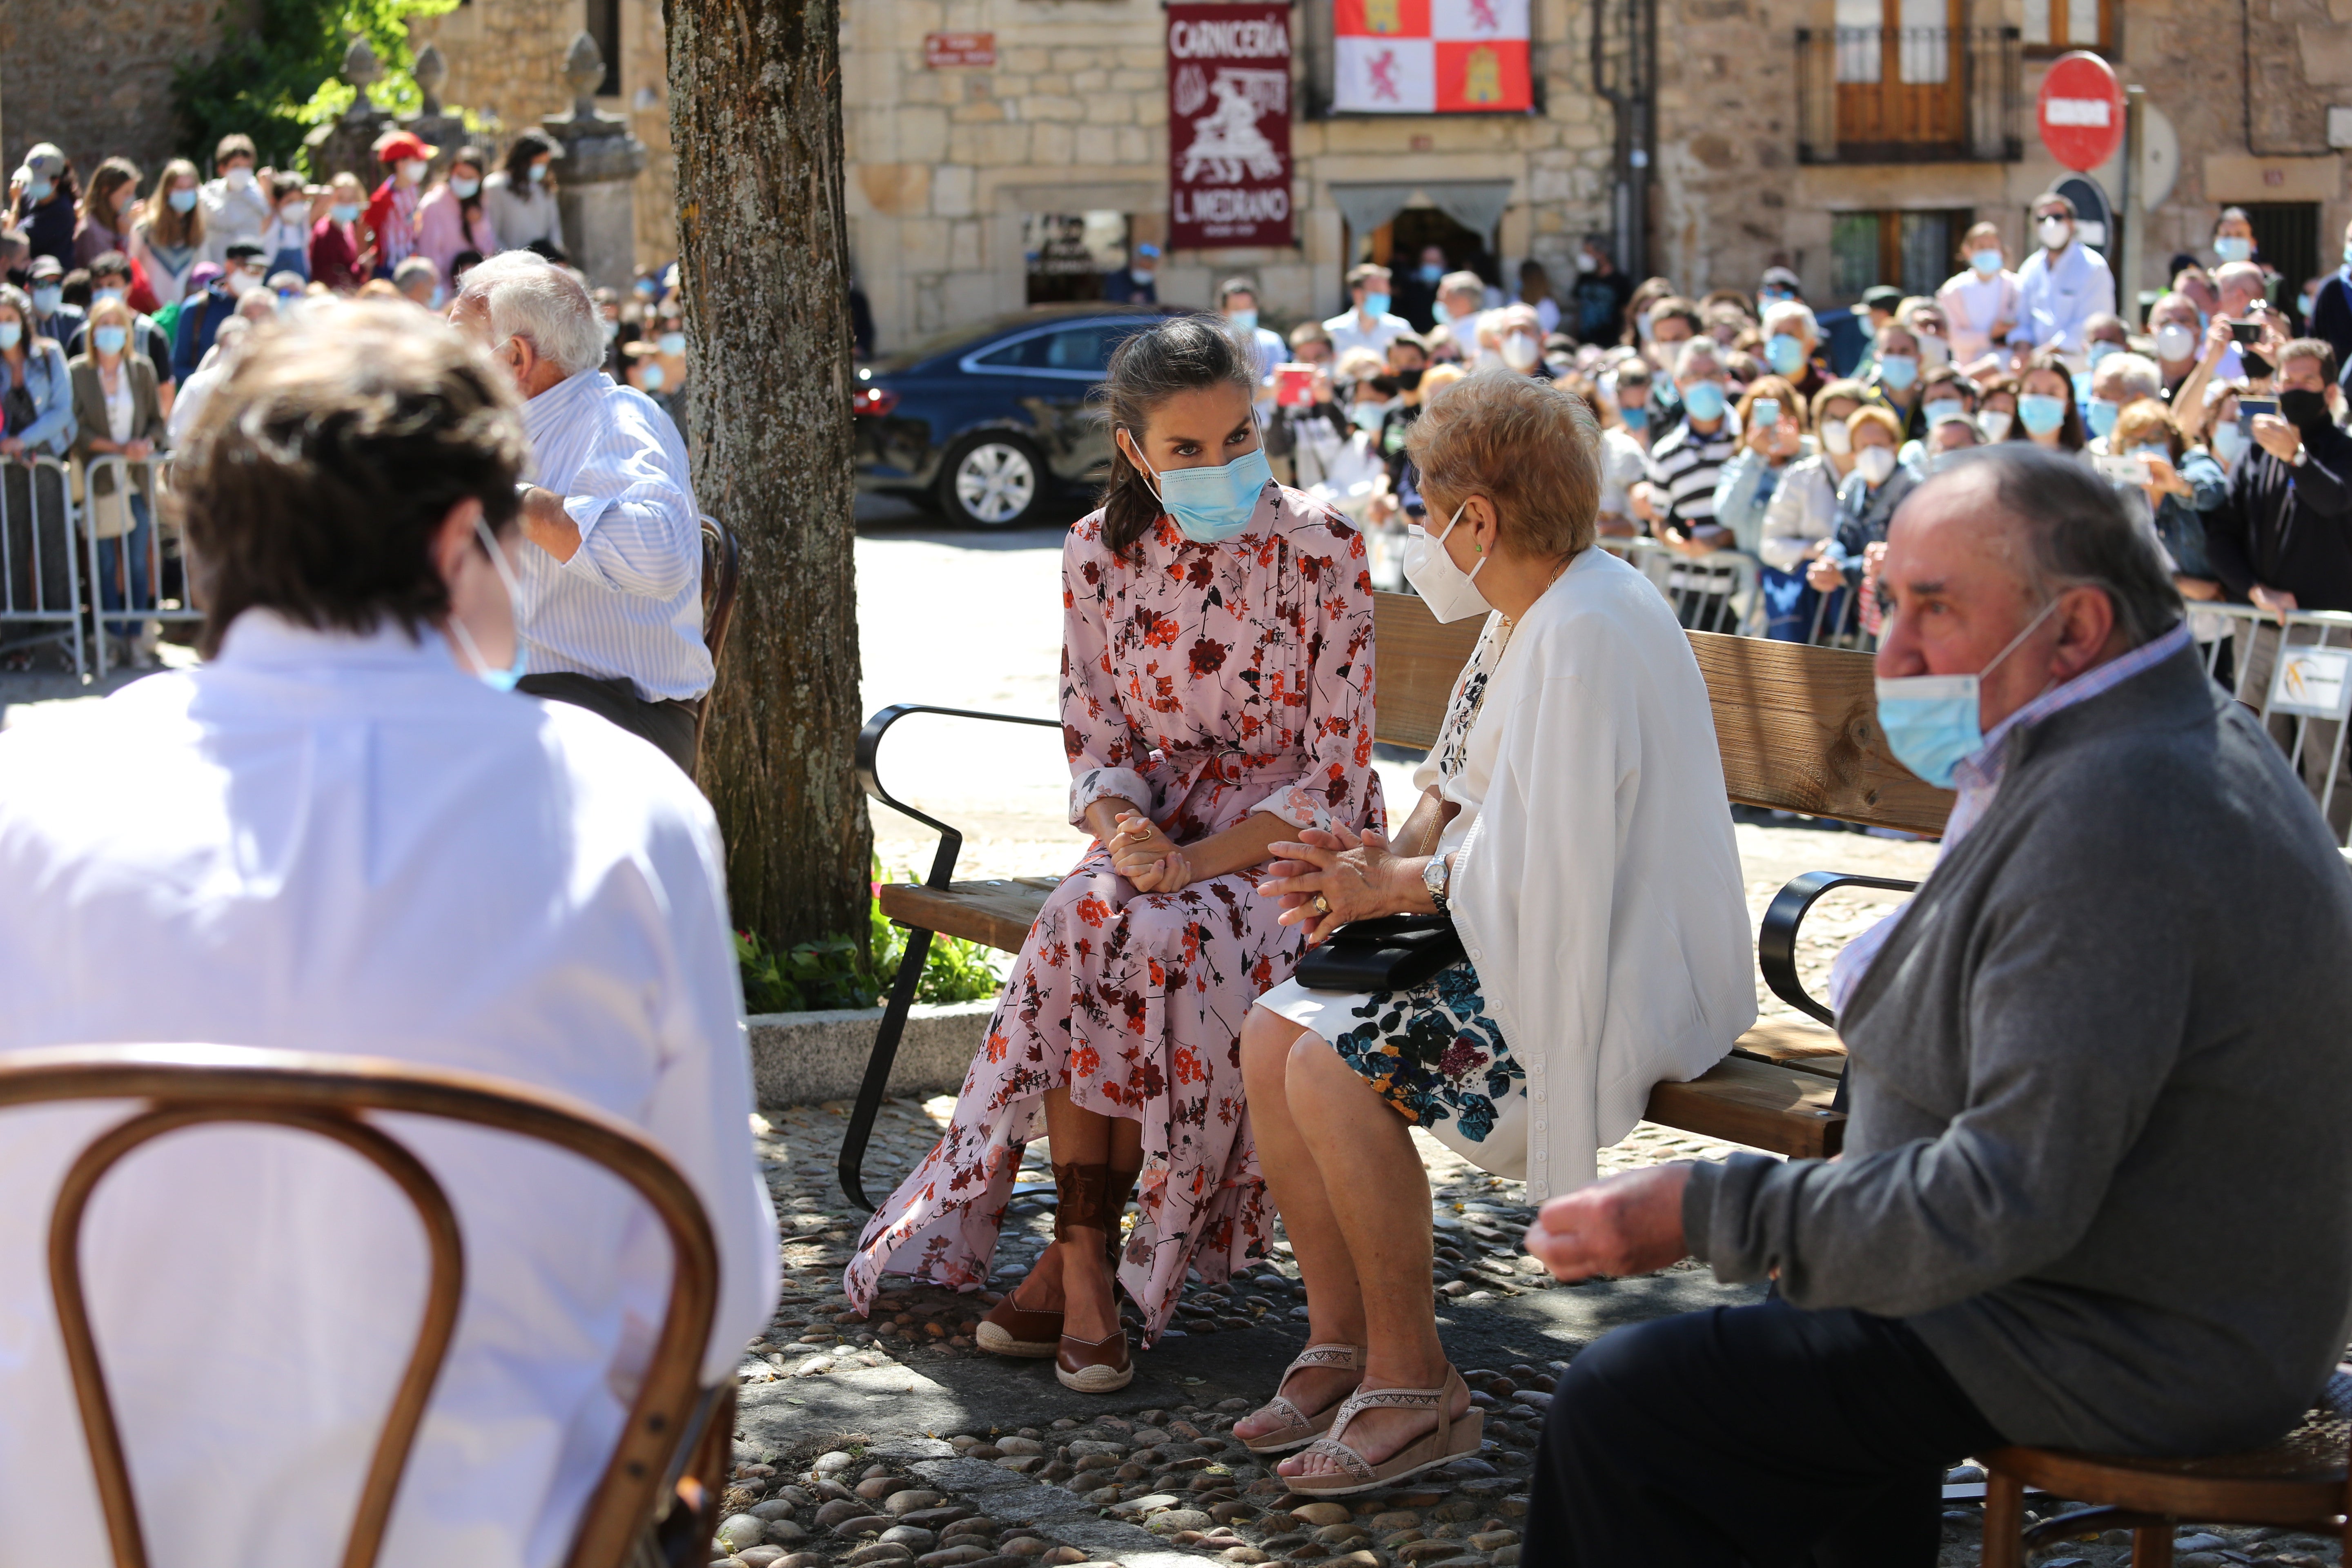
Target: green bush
836 972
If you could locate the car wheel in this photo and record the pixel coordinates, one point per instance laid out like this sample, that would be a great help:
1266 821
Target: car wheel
992 482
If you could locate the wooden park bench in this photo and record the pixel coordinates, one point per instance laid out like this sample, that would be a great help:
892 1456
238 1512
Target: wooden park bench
1799 733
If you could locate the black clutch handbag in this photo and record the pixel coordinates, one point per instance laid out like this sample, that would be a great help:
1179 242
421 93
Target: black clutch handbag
1391 954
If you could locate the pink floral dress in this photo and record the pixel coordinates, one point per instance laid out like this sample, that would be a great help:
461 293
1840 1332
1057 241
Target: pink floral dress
1202 682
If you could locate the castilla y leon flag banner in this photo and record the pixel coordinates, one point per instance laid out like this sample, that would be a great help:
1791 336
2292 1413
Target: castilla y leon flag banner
1229 125
1431 57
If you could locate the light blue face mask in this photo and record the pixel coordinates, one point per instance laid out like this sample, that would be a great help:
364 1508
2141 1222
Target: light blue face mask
1785 354
1704 400
109 338
2229 443
2100 415
2101 350
1931 720
1430 274
496 679
1985 262
1212 504
1243 321
1376 305
2235 247
1940 409
1898 370
183 200
47 301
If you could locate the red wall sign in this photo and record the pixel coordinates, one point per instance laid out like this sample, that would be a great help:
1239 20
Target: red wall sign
1229 125
2080 110
959 49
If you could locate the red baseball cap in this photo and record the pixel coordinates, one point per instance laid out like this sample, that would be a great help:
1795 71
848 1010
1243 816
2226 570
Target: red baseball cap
395 146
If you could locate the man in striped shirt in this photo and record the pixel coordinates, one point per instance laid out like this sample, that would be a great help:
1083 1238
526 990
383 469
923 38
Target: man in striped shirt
611 600
1678 502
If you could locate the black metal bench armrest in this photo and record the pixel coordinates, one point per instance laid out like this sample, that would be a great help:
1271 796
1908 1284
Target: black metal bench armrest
869 775
854 1138
1776 944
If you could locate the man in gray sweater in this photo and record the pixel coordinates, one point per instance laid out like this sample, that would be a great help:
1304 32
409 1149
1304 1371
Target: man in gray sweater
2096 1191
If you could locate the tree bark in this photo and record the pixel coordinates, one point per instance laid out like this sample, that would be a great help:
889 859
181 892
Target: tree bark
763 249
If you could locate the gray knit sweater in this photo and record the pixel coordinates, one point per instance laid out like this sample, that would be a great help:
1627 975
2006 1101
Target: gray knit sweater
2101 1151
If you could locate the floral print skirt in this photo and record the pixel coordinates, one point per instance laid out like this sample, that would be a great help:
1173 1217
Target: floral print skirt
1433 1053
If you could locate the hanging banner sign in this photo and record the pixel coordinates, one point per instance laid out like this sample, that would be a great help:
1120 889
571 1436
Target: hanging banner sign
1229 126
1431 57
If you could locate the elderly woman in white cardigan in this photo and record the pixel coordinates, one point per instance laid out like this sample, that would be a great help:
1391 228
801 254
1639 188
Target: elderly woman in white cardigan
1572 823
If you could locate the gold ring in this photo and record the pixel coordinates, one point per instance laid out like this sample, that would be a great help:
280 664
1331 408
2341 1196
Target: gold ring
1322 905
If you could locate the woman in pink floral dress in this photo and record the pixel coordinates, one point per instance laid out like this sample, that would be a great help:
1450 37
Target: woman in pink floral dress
1216 695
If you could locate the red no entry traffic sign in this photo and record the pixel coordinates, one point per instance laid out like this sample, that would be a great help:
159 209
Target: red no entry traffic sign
2081 111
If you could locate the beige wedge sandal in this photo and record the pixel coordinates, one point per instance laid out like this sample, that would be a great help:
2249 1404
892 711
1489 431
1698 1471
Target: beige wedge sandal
1300 1428
1453 1439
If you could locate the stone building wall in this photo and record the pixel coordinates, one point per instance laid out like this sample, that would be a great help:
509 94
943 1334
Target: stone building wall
506 64
95 77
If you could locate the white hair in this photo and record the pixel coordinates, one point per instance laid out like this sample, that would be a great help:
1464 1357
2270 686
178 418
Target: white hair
2134 375
414 266
1795 310
1697 348
529 298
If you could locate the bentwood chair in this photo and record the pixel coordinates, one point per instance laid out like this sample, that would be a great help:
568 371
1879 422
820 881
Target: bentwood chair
722 564
2298 1482
645 1511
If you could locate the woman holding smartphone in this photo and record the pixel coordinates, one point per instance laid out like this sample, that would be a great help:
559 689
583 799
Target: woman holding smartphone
1772 436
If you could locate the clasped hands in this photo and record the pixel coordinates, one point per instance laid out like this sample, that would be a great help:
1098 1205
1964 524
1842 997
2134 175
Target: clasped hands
1147 856
1329 877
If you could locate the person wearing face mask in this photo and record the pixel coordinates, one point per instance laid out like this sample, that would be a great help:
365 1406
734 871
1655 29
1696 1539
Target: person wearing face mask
1416 290
2172 322
42 201
1571 813
238 201
388 228
336 257
110 281
167 239
2046 414
2062 285
2234 238
1237 303
204 312
1671 323
1622 403
453 216
1461 307
1205 723
1793 341
1801 521
2120 380
107 206
2042 1195
1519 341
117 412
1136 283
1772 421
519 194
1368 322
36 420
1601 293
333 831
52 317
612 563
286 241
1980 302
1894 377
1997 406
1926 324
2182 485
1867 502
1677 499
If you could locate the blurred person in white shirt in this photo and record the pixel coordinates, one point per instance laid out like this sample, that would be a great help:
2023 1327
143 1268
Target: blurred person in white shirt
342 834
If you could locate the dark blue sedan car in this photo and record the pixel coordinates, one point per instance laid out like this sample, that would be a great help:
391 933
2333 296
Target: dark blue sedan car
995 422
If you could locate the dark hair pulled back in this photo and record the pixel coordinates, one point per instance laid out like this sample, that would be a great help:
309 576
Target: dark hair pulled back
1182 356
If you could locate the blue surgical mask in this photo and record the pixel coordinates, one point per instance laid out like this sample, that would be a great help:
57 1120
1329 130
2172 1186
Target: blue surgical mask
1942 408
1213 504
1430 274
183 200
1898 370
47 301
1985 262
464 189
496 679
2040 413
2100 415
38 190
344 212
1704 400
1930 720
108 338
1376 304
1243 321
2235 247
1369 415
1140 274
2229 443
1785 355
2100 351
105 296
538 173
1636 415
651 378
672 343
11 334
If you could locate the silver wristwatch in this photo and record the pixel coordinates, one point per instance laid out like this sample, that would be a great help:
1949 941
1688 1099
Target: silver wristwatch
1436 877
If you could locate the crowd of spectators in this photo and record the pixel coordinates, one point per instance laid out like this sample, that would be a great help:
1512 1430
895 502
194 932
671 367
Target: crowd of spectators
121 293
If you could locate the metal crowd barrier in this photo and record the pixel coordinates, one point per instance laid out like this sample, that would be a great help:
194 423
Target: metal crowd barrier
2295 672
147 582
40 578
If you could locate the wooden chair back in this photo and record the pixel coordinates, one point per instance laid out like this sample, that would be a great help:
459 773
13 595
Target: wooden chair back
1797 725
722 566
190 1085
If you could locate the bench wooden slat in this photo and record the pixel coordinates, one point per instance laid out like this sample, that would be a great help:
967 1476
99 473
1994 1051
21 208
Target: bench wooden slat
1797 1043
1760 1104
995 914
1415 658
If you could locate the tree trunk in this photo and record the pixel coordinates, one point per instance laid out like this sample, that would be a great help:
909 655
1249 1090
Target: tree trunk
763 249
